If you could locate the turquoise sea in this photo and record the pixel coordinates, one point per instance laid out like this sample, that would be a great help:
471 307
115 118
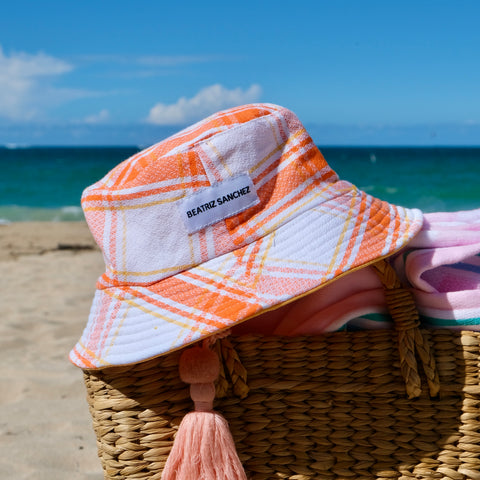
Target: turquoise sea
46 183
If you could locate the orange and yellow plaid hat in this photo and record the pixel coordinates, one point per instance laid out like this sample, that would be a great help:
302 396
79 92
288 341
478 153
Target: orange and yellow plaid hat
238 214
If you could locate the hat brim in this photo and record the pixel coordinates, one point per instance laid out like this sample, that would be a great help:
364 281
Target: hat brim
129 324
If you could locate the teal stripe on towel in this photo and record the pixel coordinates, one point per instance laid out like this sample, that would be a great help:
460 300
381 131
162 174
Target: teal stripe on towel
377 317
450 322
370 321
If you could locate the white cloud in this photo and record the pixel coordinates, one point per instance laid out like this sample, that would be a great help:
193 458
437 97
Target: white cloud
101 117
26 66
26 87
205 102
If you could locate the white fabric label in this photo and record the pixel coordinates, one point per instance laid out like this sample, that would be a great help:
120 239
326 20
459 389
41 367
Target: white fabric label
218 202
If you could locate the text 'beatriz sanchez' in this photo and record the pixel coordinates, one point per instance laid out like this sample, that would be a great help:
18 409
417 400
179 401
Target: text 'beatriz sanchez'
218 202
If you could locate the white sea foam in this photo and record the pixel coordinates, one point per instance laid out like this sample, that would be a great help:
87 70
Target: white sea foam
72 210
16 213
16 146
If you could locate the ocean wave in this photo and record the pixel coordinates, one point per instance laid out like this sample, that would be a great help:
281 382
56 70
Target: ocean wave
17 213
16 146
72 210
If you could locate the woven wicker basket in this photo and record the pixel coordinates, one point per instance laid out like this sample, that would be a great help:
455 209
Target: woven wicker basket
334 406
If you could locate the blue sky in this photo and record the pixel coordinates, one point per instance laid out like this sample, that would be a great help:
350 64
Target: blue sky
355 72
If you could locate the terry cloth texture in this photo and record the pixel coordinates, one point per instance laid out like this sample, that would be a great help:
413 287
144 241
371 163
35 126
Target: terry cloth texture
235 215
442 264
354 301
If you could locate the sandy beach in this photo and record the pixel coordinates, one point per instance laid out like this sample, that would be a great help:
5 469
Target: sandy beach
47 279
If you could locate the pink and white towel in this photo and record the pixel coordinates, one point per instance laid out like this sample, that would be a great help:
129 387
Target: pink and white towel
442 264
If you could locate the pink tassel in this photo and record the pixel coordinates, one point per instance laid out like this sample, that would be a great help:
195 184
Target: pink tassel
204 448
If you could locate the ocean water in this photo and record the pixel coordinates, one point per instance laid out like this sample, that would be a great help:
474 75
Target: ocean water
45 184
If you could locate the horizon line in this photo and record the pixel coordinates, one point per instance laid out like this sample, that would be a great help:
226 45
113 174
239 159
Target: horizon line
19 146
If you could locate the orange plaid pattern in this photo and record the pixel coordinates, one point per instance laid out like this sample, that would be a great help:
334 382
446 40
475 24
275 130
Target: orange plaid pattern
289 228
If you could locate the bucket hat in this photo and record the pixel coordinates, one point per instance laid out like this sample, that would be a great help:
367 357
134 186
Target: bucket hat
233 216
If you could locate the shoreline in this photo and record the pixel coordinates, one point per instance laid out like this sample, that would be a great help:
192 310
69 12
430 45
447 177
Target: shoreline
48 272
38 238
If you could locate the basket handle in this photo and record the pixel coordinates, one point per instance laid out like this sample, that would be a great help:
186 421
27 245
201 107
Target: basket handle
402 308
231 366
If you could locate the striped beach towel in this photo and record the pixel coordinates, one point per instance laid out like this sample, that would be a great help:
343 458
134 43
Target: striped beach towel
442 265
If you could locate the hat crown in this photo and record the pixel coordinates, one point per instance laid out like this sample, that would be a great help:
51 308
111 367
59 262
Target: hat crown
235 215
214 187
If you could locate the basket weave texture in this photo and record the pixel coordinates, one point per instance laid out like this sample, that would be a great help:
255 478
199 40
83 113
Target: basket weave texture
322 407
